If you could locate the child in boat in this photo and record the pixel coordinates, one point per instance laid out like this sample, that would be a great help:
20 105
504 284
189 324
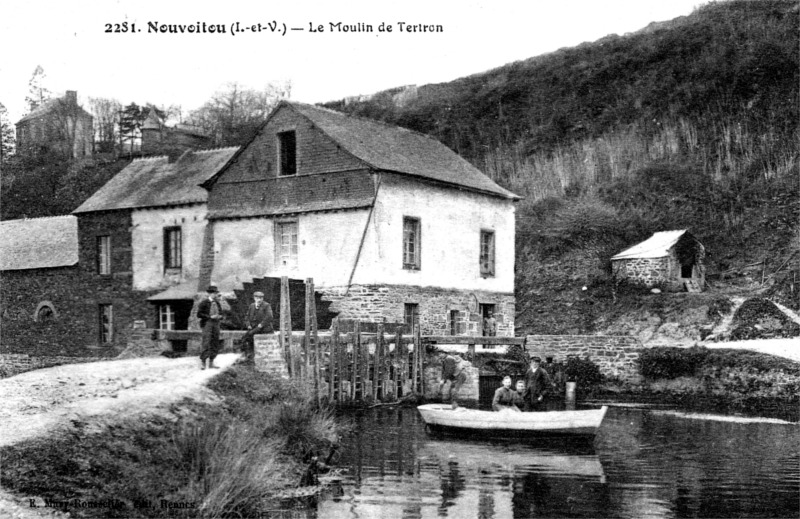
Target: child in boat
505 397
519 401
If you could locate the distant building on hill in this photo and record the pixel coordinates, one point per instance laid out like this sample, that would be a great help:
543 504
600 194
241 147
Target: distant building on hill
672 259
158 138
58 126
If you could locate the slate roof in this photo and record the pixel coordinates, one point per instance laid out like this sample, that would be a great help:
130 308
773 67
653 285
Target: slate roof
292 195
47 106
656 246
39 243
180 292
391 148
155 182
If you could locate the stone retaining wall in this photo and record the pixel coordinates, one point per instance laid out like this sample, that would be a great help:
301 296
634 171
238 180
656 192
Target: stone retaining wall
15 363
615 355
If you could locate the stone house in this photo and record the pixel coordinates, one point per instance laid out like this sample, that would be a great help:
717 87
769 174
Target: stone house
672 259
39 274
389 223
58 126
160 139
144 229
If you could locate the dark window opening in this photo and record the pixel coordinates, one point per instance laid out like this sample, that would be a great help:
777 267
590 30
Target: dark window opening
106 318
173 257
686 271
45 314
410 315
489 320
287 149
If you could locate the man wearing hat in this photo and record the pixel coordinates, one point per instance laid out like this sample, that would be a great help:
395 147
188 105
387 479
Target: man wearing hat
258 320
209 312
537 386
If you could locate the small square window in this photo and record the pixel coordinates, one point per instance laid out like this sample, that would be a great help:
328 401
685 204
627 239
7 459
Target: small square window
166 317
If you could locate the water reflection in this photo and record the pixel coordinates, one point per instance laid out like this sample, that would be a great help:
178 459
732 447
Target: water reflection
642 464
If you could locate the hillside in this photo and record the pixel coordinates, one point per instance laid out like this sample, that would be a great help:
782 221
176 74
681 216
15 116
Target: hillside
690 123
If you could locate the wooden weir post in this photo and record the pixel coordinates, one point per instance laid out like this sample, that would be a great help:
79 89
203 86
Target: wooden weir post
376 370
285 334
356 335
344 366
311 343
414 357
389 384
402 357
366 385
420 359
332 361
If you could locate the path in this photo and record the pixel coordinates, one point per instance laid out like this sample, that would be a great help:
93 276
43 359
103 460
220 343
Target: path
786 348
39 402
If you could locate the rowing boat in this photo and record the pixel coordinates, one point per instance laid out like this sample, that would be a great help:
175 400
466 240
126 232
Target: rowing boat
441 417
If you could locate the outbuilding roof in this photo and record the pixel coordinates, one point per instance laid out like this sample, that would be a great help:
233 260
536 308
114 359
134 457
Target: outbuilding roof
656 246
156 182
39 243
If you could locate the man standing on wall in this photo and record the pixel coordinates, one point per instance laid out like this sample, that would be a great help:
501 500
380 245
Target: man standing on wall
209 312
537 386
490 325
258 320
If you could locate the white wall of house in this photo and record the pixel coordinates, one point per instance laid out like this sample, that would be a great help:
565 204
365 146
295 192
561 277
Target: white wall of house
328 242
451 221
147 238
326 248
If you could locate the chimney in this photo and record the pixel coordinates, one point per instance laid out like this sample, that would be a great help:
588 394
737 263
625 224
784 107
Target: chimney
71 97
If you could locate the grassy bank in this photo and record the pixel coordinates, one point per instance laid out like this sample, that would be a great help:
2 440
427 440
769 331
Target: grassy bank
232 459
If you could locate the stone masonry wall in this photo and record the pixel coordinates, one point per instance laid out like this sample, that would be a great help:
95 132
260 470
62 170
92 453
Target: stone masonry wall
372 303
615 355
15 363
647 271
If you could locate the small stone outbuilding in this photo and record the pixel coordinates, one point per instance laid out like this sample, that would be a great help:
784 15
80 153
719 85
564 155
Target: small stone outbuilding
672 260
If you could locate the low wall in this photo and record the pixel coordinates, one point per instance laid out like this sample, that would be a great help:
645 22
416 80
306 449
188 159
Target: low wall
15 363
615 355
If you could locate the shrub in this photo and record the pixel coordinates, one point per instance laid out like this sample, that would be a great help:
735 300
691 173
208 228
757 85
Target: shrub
230 466
670 363
584 372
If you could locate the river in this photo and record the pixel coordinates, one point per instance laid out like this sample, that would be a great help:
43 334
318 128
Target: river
644 462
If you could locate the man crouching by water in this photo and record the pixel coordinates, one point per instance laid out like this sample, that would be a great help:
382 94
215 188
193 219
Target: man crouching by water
505 398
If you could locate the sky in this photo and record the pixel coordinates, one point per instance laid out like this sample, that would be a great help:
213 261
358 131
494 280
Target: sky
142 64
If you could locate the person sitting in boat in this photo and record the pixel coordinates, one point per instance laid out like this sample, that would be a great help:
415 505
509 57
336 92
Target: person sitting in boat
520 390
453 371
505 398
538 386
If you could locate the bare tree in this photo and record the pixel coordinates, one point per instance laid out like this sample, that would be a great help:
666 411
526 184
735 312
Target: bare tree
38 93
106 122
234 113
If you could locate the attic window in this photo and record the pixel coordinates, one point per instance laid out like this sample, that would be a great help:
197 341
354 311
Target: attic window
287 151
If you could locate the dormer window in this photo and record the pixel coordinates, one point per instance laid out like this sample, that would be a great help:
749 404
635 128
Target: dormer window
287 151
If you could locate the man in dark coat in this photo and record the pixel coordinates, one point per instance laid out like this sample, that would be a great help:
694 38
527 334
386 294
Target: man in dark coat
209 312
258 320
537 386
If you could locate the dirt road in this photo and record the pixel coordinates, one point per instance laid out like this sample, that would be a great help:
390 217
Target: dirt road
90 395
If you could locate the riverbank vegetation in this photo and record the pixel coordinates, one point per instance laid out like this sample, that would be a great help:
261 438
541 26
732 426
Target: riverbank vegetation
234 459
